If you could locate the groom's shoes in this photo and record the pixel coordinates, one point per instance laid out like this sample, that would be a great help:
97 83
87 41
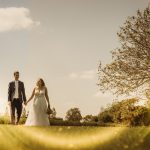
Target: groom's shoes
12 122
17 123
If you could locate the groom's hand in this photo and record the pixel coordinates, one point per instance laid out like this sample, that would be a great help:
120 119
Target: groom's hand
25 103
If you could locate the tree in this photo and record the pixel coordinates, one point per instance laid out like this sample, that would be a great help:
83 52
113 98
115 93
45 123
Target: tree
129 70
73 114
126 111
105 117
140 116
90 118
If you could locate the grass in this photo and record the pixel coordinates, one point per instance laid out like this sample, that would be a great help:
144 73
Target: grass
74 138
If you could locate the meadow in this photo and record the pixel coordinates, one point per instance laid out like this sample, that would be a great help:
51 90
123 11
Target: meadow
73 138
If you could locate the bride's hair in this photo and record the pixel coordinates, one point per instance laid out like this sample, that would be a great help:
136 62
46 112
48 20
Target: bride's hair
42 81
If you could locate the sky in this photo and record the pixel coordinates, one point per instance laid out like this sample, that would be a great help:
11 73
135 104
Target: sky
61 41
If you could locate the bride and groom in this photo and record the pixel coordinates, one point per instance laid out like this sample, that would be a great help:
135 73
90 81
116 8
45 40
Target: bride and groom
40 108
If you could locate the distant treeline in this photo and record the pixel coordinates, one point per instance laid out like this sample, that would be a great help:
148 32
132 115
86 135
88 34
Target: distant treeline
126 112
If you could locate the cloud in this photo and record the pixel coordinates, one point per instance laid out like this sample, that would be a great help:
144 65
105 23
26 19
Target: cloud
12 18
88 74
73 75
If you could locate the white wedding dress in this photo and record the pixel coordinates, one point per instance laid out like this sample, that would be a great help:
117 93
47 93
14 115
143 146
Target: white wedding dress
37 113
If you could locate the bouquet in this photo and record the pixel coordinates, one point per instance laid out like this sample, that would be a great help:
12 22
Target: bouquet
49 111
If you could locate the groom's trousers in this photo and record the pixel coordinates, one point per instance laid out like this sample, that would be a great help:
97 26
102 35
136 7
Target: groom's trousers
16 105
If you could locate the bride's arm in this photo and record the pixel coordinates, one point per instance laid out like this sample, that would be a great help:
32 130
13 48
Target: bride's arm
31 96
47 97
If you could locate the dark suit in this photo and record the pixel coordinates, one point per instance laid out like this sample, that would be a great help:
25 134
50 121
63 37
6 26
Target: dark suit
16 104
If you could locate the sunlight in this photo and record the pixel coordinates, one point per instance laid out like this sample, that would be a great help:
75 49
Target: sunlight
80 141
55 137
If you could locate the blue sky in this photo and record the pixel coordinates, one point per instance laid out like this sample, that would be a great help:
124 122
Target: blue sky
61 41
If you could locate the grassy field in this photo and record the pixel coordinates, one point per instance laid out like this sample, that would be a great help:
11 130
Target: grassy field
74 138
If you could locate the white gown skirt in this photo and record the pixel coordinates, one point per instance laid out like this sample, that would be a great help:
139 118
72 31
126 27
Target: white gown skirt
37 113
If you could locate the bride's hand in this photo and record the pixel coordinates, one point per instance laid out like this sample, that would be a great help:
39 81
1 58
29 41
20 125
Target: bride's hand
49 110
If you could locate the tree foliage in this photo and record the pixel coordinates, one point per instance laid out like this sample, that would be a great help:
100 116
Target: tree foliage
90 118
127 112
73 114
129 70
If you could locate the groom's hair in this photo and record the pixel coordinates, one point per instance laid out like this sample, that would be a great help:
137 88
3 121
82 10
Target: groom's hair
16 72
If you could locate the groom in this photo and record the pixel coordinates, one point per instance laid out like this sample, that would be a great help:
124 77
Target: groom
16 95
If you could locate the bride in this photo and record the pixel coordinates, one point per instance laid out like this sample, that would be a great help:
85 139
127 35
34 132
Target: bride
38 112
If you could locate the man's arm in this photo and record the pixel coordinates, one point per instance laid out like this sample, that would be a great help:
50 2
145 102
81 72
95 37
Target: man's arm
23 92
9 92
